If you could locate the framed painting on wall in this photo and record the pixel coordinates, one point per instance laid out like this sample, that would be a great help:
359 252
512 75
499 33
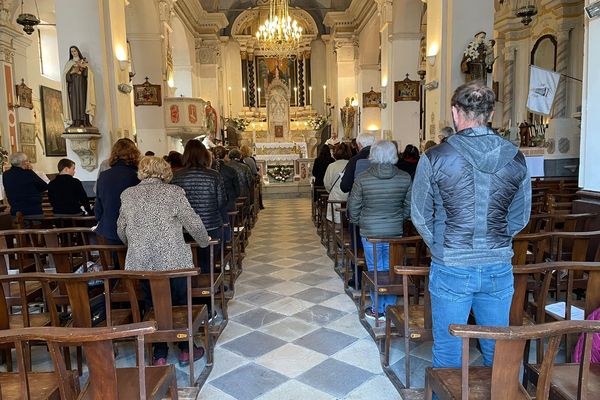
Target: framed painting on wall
147 94
407 90
52 122
27 140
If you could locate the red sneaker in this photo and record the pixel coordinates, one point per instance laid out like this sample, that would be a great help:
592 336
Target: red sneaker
184 356
159 362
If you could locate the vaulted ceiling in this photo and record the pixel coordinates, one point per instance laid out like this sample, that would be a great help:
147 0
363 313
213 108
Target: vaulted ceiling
316 8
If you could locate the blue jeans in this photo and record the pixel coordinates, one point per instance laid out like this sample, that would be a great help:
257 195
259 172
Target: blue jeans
383 264
487 289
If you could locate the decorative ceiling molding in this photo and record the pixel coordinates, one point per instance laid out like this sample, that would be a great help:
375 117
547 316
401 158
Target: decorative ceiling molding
353 19
198 20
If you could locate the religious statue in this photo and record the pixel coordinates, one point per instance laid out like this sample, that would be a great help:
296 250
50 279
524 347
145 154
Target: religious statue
478 58
79 97
211 119
347 113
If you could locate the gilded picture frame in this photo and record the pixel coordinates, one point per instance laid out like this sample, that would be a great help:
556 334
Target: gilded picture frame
147 94
407 90
52 122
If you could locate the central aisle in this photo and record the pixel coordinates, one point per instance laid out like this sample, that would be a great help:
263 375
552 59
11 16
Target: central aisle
293 332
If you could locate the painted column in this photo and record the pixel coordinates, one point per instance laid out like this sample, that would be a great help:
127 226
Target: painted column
508 87
562 66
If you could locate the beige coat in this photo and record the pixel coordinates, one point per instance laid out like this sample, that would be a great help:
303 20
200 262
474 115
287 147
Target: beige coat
332 185
151 221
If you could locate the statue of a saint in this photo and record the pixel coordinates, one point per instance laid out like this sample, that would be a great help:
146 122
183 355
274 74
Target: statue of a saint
79 97
211 119
478 58
348 112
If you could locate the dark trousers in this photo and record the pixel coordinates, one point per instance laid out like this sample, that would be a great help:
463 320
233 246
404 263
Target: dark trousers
204 252
178 298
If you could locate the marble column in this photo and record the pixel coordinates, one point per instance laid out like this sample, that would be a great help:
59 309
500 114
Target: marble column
346 50
98 29
508 87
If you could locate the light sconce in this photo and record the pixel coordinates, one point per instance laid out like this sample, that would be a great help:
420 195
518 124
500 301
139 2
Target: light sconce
354 101
382 103
432 53
431 85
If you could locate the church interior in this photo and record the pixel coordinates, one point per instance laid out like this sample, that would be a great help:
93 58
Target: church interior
287 78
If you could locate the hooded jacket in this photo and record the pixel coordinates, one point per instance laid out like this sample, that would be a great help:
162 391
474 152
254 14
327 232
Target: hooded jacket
379 201
470 196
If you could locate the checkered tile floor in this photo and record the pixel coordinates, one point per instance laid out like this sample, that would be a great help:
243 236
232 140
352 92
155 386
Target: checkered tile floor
293 332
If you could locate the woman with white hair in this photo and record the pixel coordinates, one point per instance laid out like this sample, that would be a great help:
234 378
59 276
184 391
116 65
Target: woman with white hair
151 221
380 203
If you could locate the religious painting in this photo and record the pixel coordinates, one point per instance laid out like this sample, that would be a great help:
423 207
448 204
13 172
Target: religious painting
371 99
147 94
267 69
27 140
192 114
278 131
52 122
407 90
174 113
24 96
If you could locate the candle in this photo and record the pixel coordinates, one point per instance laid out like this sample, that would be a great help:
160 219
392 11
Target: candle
325 95
296 95
243 97
258 97
229 99
310 95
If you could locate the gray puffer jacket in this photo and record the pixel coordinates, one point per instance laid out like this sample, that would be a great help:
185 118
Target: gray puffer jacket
471 195
205 191
380 201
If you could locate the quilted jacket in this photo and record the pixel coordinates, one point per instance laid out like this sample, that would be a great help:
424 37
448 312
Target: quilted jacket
379 201
470 196
205 191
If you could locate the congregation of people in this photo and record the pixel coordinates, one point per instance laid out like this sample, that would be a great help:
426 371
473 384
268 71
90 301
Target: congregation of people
465 197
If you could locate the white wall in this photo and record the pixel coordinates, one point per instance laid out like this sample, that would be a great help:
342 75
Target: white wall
589 176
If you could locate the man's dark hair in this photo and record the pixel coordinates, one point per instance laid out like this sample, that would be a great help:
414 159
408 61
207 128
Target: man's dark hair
65 163
475 100
235 154
175 159
342 151
149 153
195 155
410 151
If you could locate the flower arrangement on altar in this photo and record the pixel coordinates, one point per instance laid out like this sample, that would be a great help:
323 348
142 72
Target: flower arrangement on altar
280 173
239 123
317 122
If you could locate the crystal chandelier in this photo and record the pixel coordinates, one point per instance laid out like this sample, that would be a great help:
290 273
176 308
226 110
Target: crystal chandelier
279 36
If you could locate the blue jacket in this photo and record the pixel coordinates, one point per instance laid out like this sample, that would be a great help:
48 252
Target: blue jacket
470 196
111 183
24 191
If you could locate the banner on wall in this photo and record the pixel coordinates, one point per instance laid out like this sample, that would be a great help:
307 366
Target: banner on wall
542 89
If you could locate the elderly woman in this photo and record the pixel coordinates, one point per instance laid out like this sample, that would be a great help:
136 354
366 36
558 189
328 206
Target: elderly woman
379 203
153 215
204 190
123 161
333 177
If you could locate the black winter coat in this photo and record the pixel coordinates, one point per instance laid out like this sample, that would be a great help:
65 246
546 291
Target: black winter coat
24 191
205 191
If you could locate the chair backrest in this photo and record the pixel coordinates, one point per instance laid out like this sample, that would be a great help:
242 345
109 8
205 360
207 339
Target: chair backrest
510 343
97 345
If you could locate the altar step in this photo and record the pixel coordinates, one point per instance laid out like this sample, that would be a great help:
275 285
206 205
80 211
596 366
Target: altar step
286 190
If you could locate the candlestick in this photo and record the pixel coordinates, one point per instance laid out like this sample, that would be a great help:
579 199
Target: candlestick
229 99
296 95
243 97
325 99
258 100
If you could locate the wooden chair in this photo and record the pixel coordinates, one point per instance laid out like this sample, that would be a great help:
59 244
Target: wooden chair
175 323
208 285
412 319
105 380
354 255
403 251
322 209
333 229
316 193
501 381
342 242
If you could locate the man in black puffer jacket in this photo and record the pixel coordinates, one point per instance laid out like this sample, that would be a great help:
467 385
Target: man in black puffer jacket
470 196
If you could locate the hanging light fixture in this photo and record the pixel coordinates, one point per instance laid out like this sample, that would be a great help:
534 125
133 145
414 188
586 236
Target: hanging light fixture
526 10
279 36
28 20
